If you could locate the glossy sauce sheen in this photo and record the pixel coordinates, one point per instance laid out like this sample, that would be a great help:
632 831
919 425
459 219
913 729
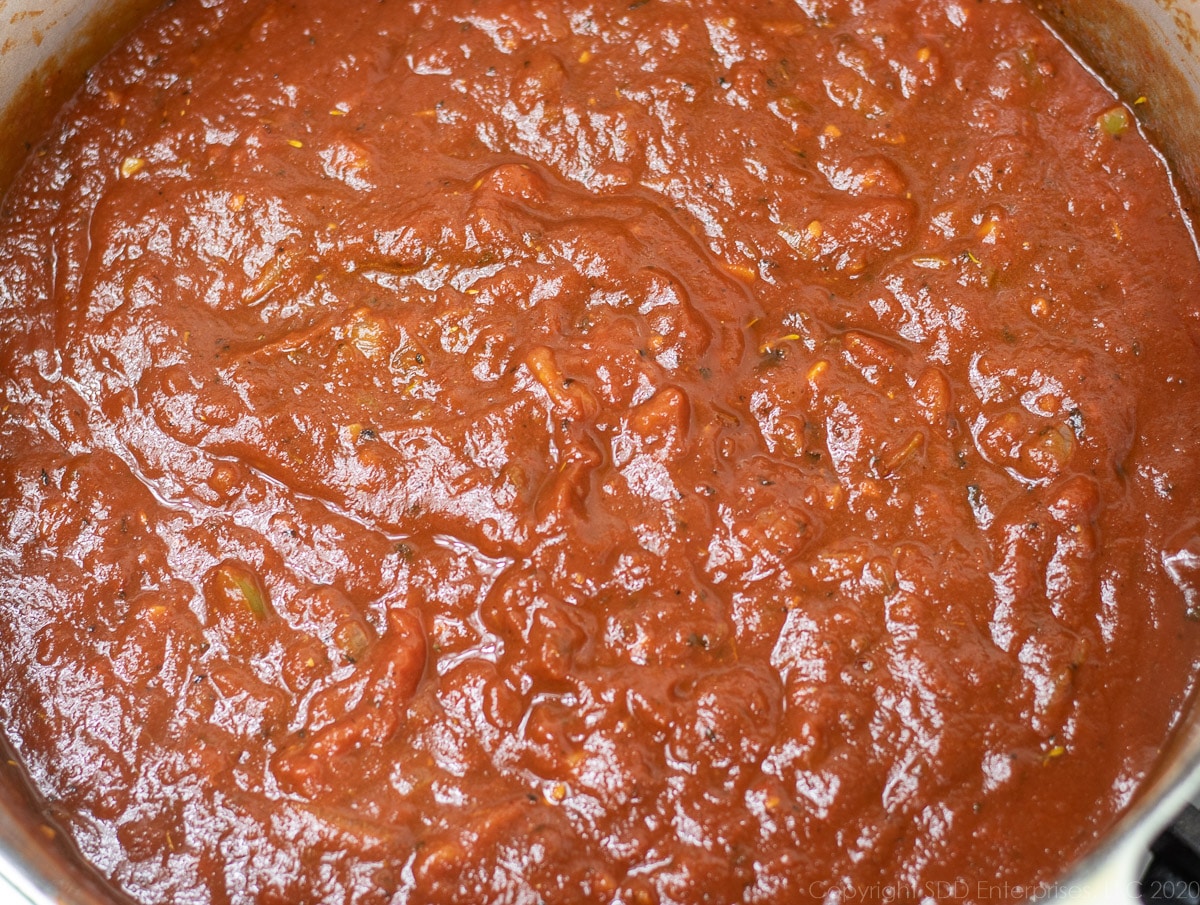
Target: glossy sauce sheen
553 452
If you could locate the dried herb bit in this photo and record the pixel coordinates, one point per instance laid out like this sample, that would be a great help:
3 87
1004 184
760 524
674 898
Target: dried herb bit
771 356
360 433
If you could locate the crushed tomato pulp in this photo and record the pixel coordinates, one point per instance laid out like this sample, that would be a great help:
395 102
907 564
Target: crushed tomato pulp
635 452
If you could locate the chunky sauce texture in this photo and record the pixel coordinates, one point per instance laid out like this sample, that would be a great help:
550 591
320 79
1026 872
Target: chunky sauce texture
639 452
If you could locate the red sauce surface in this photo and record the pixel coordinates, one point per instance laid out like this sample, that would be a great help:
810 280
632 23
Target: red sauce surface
642 452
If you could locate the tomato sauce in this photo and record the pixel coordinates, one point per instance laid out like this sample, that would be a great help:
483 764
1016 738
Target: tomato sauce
639 452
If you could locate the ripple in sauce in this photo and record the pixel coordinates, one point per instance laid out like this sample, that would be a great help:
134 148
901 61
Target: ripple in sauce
647 452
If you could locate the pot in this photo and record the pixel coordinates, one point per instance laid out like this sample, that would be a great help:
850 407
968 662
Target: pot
1143 48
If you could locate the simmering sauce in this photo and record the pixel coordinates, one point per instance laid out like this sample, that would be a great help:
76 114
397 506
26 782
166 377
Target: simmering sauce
481 451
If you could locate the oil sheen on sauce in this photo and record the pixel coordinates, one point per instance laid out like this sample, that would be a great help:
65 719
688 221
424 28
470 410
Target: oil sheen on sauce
635 452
